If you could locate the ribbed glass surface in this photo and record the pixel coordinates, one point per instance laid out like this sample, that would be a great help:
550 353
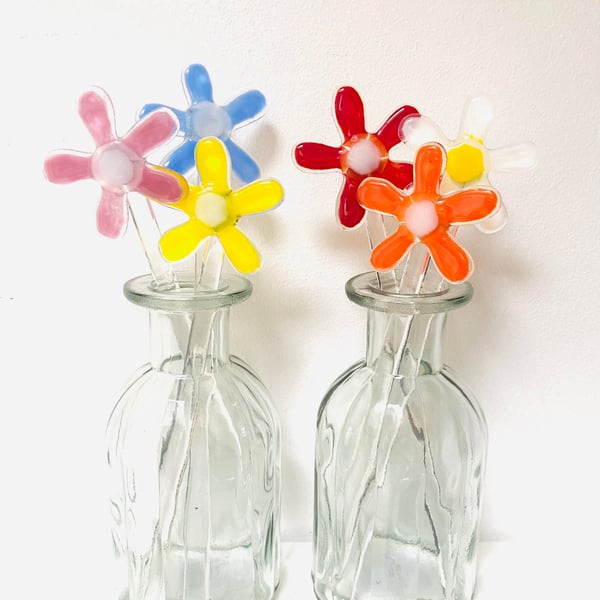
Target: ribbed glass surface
400 455
194 455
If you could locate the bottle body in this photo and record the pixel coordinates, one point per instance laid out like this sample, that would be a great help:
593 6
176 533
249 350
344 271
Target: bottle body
399 464
194 451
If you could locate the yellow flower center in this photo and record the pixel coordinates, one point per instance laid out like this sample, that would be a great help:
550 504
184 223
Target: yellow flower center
465 163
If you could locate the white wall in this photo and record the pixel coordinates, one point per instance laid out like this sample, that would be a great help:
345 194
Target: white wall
527 344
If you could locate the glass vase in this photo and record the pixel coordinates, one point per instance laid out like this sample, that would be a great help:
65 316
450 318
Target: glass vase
194 456
400 456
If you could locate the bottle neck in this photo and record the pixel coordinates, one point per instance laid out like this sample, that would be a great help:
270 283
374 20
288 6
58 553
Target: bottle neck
405 345
189 343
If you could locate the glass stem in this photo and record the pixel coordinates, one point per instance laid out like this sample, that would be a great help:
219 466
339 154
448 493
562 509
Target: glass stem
395 400
149 232
207 275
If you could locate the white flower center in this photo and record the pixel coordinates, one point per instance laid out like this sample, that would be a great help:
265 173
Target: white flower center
364 157
421 218
211 209
114 166
207 119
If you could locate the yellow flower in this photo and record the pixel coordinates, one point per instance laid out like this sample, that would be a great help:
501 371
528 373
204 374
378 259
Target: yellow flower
214 209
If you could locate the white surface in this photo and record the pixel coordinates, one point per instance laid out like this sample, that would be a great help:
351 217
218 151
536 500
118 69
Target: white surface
507 570
528 343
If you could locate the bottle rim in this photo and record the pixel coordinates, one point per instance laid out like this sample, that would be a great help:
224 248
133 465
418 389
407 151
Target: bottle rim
184 296
369 291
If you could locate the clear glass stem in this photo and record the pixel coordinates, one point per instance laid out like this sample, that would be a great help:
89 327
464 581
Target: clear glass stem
149 232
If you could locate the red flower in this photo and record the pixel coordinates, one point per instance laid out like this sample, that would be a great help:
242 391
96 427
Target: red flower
361 154
425 216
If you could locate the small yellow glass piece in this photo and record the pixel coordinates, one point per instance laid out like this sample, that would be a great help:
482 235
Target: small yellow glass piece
239 249
213 165
465 163
257 197
475 138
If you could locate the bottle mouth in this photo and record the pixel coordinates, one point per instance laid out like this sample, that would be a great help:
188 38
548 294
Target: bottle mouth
370 291
185 296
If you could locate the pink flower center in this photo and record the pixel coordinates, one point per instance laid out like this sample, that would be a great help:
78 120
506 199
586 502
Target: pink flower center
116 166
363 157
421 218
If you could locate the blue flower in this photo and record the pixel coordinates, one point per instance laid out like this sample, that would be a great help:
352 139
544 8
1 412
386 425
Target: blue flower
204 118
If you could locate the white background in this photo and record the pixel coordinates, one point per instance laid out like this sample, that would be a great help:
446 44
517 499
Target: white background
527 344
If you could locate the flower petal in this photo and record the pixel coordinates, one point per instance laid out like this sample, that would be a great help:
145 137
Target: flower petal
389 133
495 222
160 184
247 106
477 116
468 206
382 196
257 197
419 130
242 163
350 212
515 157
239 249
349 112
386 254
197 83
150 108
150 132
429 166
111 215
96 111
182 158
452 261
181 241
67 168
213 165
311 155
399 173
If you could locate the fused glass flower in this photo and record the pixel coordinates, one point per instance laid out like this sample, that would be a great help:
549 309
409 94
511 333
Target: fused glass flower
204 118
214 209
425 216
361 154
118 164
469 160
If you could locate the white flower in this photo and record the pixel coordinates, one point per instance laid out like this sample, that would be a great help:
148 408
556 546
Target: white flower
469 160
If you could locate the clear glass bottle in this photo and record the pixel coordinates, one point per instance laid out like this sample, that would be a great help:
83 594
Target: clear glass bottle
400 456
194 455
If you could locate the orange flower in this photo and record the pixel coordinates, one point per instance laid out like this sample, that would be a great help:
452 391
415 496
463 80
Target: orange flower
425 216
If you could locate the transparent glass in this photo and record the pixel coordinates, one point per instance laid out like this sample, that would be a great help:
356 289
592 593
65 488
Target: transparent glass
400 455
194 456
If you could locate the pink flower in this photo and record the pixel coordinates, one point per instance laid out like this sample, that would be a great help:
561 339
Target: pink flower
118 164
